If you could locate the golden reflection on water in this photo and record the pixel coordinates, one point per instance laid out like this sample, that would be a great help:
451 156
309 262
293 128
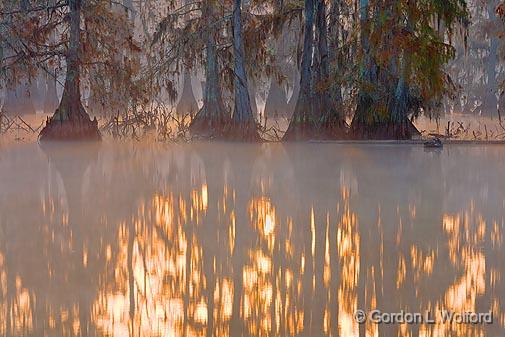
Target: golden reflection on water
273 247
348 241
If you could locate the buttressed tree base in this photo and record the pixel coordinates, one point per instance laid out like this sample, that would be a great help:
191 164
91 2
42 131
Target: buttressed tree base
81 129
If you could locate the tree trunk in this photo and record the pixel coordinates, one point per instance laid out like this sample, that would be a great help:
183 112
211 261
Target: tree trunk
17 96
400 126
293 99
399 110
212 119
332 120
51 99
277 103
293 73
490 105
243 119
187 105
252 95
38 90
71 121
335 30
368 123
18 100
359 125
303 117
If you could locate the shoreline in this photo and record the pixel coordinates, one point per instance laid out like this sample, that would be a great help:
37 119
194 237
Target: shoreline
407 142
27 129
7 141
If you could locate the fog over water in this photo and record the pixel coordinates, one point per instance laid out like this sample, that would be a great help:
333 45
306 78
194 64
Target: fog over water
215 239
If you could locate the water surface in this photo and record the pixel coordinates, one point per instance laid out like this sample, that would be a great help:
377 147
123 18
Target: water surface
248 240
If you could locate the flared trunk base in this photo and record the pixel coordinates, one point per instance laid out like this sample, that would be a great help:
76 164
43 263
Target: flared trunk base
307 131
210 123
81 129
244 132
207 128
187 105
385 131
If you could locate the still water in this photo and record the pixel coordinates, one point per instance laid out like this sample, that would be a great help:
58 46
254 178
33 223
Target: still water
249 240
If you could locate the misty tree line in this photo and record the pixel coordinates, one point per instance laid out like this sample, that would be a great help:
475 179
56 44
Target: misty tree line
338 69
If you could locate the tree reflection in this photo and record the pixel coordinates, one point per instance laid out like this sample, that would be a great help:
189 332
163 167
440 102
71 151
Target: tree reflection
249 240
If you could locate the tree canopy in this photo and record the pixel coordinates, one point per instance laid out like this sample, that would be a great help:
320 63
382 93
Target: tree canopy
338 69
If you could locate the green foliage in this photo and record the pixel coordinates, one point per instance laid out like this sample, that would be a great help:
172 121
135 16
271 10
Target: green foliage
407 45
392 61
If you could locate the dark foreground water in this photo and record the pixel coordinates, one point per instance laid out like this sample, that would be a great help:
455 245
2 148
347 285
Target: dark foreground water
249 240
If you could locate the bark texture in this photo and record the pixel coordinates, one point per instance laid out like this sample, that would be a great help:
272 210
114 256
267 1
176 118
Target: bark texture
490 106
331 119
303 118
316 115
361 118
243 121
212 119
386 119
71 121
